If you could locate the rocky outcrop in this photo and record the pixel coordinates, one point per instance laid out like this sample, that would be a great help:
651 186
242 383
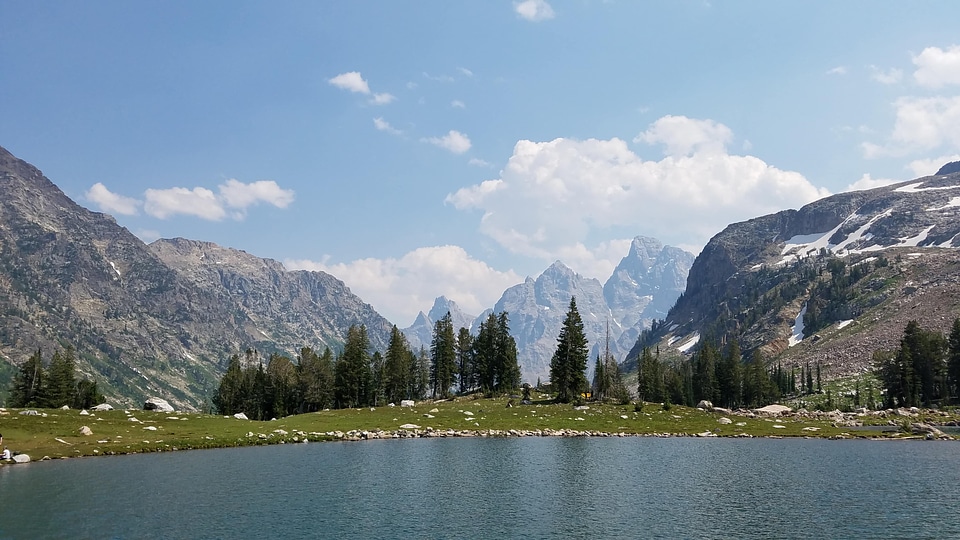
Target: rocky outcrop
420 333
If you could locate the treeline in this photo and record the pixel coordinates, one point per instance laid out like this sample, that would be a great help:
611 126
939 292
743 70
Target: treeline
456 362
54 385
713 373
923 371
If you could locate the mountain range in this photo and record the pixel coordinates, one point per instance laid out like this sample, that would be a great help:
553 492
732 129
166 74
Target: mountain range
159 319
643 286
831 282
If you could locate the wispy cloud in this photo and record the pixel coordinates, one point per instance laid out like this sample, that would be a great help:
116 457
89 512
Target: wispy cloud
839 70
534 10
457 104
477 162
382 99
454 141
889 76
383 125
465 71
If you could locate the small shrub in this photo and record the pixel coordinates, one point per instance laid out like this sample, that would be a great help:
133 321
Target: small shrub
667 405
638 406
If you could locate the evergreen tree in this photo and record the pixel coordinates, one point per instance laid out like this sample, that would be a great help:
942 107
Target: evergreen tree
28 383
87 395
420 375
484 355
282 399
228 399
379 382
443 353
507 372
61 385
397 369
705 373
569 362
466 373
352 370
650 379
315 380
729 377
953 359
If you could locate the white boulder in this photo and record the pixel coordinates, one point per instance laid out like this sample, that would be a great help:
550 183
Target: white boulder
407 403
157 404
102 407
21 458
85 430
240 416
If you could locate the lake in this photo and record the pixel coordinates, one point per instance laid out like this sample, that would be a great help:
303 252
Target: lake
498 488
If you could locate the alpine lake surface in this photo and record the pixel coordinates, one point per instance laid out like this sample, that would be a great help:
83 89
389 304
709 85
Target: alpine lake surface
529 487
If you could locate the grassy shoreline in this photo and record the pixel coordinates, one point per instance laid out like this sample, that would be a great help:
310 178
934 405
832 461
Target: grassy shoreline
56 433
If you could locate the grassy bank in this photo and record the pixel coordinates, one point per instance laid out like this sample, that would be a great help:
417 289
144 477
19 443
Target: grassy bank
56 433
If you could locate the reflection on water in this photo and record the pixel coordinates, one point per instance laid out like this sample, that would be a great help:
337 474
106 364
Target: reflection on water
497 488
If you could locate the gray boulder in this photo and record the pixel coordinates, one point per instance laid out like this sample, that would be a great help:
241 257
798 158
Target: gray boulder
705 405
157 404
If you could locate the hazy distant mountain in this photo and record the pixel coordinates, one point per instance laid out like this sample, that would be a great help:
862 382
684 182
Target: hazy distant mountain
148 320
420 333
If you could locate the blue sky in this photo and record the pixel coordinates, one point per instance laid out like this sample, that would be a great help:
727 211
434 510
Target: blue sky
414 149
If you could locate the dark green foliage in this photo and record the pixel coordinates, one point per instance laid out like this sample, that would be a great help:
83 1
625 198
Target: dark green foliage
229 396
315 380
53 386
650 379
281 383
730 377
379 383
397 369
466 369
419 376
495 356
705 373
352 375
443 353
759 388
953 359
917 372
28 383
569 363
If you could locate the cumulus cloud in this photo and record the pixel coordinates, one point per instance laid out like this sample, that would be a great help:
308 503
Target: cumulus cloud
454 141
199 202
383 125
351 81
682 136
927 167
553 197
890 76
937 67
866 182
400 288
111 202
922 124
205 204
534 10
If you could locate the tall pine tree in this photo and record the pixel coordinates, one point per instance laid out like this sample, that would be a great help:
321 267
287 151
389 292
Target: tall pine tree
568 365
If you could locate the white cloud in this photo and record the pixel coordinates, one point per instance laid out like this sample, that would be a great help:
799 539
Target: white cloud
383 125
205 204
351 81
236 194
922 124
682 136
937 67
534 10
199 202
866 182
927 167
552 197
466 72
477 162
457 104
453 141
839 70
400 288
890 76
111 202
383 99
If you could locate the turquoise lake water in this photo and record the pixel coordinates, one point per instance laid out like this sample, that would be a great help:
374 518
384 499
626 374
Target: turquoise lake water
498 488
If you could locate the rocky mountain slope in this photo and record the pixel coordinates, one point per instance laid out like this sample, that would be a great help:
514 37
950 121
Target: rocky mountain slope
147 320
834 280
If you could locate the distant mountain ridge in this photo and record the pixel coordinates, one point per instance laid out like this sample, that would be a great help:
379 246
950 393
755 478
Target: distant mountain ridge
149 320
644 285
